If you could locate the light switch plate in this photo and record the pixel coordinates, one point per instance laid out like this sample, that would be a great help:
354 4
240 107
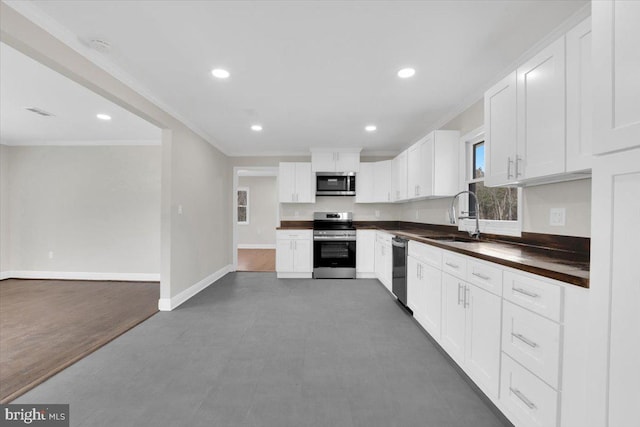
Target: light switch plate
557 216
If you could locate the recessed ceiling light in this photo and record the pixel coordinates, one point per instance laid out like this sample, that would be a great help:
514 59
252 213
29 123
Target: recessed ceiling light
103 116
405 73
256 128
220 73
370 128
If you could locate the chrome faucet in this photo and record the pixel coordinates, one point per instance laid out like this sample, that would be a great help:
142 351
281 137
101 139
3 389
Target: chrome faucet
452 213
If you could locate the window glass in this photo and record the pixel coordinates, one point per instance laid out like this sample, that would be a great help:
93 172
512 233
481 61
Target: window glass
243 206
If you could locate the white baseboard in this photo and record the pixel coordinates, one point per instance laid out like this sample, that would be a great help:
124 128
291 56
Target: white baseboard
256 246
168 304
366 276
295 275
74 275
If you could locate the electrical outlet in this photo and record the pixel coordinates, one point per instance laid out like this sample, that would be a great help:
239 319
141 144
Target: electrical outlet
377 213
296 214
50 254
179 209
557 216
417 214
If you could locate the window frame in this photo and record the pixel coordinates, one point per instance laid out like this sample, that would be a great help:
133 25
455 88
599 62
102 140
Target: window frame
245 189
506 228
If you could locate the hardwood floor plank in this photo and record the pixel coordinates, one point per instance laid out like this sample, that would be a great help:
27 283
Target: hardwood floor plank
256 260
47 325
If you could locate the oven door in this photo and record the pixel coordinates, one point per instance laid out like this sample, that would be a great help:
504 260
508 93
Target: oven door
334 254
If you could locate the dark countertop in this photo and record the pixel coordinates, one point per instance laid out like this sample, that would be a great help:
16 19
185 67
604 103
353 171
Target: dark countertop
557 257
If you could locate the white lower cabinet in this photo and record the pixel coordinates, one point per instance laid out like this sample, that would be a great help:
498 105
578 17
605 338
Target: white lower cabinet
294 253
471 330
527 399
384 259
365 254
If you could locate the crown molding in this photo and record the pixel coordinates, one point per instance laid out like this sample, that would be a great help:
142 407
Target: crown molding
60 32
82 143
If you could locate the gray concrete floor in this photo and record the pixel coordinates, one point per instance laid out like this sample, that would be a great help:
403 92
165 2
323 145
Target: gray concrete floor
252 350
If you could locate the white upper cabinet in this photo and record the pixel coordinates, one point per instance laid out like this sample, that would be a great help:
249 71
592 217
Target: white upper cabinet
579 98
382 181
432 165
500 131
373 182
296 183
335 160
399 167
616 53
541 109
538 119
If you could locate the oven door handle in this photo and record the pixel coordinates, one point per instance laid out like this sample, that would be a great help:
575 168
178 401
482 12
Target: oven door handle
333 239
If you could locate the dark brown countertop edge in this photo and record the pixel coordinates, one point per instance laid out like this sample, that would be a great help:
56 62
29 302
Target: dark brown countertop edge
580 246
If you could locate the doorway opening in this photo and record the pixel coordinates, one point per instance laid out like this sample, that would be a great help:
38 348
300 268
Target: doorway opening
255 218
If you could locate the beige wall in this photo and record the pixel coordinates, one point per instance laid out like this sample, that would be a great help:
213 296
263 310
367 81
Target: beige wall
4 209
95 209
361 211
263 211
194 173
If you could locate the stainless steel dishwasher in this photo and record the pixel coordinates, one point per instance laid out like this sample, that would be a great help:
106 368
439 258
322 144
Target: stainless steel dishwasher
399 276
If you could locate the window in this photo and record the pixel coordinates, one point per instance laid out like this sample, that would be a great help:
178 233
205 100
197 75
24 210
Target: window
243 205
500 211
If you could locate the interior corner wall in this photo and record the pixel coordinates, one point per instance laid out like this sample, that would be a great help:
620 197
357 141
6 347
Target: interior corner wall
4 210
84 209
263 211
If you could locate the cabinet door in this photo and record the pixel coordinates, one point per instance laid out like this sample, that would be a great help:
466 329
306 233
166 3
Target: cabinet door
453 317
430 310
445 164
347 162
616 62
614 339
365 183
399 167
427 160
323 161
415 169
382 182
387 261
287 182
284 256
541 114
500 131
413 286
579 98
302 259
482 347
304 183
379 260
365 251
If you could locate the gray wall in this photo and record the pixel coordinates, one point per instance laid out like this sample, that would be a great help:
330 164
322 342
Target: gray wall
96 209
263 211
4 209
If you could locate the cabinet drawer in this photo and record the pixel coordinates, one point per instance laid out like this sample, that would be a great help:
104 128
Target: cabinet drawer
384 238
294 234
426 253
530 401
532 341
455 265
536 295
485 276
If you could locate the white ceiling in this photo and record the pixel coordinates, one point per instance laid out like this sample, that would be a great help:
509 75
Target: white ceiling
313 73
27 83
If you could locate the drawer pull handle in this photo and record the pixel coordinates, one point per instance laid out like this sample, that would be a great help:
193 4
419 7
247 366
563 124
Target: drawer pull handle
524 339
482 276
522 397
452 265
525 292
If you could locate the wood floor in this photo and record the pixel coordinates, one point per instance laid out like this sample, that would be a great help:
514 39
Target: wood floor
256 260
47 325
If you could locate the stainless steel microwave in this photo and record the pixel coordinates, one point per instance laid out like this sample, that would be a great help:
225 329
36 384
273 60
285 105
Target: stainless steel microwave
335 183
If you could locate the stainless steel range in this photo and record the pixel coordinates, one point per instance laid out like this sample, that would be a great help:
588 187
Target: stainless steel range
334 245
